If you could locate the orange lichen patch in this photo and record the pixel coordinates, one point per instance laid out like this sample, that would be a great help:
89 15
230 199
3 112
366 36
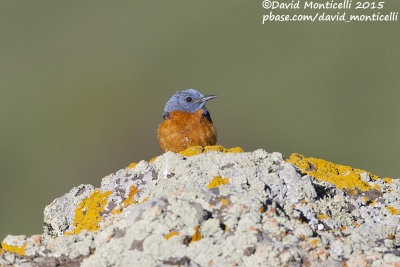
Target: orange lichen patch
226 228
341 176
391 236
372 203
283 234
262 209
356 224
314 242
130 167
393 210
342 228
196 236
129 200
144 200
218 181
153 159
322 216
196 150
13 249
88 212
171 234
300 220
387 180
303 237
116 211
223 200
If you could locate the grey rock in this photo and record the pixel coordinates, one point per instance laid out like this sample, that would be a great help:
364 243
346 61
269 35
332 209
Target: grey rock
265 213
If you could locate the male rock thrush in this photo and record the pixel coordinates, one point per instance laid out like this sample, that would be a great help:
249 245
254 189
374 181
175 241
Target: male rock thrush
186 122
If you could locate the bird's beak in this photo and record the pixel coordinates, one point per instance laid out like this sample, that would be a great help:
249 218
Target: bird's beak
205 98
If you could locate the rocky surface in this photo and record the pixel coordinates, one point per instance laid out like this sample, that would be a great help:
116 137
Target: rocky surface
219 207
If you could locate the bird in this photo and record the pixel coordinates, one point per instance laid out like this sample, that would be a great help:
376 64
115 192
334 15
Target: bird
187 122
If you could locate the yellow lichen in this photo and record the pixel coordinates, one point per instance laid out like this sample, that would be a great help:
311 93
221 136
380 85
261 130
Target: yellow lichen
171 234
387 180
223 200
322 216
191 151
196 236
88 212
196 150
129 200
153 159
343 177
214 148
314 241
235 150
393 210
391 236
218 181
222 149
13 249
144 200
130 167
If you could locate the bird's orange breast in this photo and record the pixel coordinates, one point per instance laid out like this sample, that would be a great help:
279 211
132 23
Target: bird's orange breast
182 130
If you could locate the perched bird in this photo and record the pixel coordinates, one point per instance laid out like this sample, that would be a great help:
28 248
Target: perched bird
186 122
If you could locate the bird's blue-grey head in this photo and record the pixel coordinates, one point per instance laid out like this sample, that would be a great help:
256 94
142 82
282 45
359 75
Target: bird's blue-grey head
188 100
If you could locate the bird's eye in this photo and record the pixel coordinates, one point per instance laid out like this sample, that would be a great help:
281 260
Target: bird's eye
189 99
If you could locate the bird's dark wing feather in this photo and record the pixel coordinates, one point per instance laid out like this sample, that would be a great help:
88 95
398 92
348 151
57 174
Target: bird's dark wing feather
206 115
166 115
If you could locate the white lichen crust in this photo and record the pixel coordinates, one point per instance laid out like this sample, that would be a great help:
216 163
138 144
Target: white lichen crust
215 209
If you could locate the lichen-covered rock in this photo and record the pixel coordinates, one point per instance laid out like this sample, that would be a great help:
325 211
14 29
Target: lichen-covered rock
220 207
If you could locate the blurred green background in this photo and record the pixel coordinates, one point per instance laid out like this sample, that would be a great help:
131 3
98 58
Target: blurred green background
83 85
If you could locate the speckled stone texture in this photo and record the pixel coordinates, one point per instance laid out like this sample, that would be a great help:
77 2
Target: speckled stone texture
216 209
